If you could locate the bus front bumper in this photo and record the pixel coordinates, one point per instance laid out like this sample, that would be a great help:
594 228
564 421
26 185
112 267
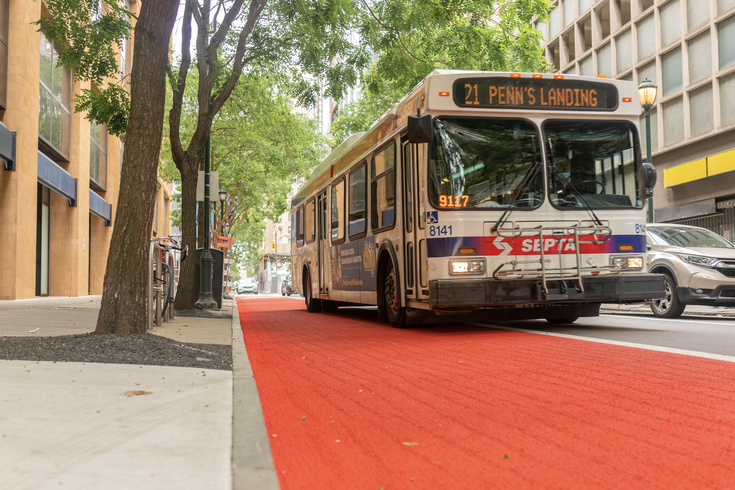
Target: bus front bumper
487 293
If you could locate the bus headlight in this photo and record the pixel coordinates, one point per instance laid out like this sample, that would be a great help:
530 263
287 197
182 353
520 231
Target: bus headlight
473 266
627 262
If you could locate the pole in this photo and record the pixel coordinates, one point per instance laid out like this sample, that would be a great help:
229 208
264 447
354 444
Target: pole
648 158
206 300
275 230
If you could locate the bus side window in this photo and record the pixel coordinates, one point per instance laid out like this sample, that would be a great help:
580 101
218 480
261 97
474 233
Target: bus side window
299 225
358 198
338 212
408 185
383 188
309 221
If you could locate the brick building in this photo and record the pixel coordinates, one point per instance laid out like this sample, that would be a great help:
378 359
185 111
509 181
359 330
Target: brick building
60 173
687 48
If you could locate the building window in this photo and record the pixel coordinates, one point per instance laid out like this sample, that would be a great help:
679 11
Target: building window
647 71
671 68
670 15
603 18
98 156
673 121
697 14
554 21
624 51
604 61
54 116
568 12
700 57
4 11
726 42
727 99
724 5
646 37
383 188
584 5
586 68
700 107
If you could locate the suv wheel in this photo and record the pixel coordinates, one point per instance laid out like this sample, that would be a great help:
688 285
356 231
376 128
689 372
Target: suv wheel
669 306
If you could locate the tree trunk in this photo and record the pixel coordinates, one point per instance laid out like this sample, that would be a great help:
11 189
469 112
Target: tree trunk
186 293
124 297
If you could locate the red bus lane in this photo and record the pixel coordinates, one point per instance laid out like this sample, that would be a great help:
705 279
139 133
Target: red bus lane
352 403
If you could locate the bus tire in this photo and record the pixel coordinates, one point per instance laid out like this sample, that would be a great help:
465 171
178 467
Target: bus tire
562 321
390 289
312 305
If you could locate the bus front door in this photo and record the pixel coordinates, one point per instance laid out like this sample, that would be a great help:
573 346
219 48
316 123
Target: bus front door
411 218
322 243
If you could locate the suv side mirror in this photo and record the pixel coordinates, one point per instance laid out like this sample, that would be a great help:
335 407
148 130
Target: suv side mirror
649 178
419 128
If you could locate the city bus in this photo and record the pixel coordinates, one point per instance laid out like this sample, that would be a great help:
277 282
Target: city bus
482 196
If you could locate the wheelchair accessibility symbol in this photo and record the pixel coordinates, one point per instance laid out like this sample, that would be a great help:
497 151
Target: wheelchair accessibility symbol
432 217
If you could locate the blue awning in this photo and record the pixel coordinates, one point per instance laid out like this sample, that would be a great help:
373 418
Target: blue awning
100 208
57 179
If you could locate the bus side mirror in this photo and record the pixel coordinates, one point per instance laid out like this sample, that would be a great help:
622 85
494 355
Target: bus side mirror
649 178
419 128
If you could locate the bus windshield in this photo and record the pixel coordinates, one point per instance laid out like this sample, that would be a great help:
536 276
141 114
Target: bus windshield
482 163
593 163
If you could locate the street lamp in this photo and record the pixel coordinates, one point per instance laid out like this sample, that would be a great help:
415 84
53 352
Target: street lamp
222 197
647 94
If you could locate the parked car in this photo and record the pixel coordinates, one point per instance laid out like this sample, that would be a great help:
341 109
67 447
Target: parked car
698 266
286 287
248 285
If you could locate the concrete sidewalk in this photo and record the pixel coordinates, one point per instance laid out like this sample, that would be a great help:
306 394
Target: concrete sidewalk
116 426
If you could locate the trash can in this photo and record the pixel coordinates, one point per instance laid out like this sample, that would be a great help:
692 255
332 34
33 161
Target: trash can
217 270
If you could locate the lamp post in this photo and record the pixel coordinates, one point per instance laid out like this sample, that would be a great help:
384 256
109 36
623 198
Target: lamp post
647 94
222 197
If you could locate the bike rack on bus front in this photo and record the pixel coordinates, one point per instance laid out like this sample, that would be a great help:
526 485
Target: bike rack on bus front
599 234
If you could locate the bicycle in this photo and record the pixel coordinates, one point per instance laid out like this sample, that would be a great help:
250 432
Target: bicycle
164 276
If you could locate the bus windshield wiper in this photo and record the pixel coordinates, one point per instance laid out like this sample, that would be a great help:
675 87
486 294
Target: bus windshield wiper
524 183
577 194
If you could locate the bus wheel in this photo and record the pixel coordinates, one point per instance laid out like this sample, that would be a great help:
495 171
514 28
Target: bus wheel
562 321
312 305
396 314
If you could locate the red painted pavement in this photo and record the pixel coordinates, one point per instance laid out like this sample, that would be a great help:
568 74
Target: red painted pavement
462 407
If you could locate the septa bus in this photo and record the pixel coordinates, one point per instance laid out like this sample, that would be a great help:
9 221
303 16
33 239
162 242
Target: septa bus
482 196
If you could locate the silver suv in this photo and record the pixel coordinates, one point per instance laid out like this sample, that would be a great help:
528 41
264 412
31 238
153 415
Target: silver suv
698 266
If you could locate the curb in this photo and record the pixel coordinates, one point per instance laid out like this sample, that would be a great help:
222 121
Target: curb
252 461
647 312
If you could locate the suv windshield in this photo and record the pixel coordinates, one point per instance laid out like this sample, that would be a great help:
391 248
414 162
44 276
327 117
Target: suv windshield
593 163
481 163
680 236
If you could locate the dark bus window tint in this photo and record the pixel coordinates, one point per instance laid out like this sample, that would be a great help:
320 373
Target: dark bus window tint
309 219
358 200
383 188
485 163
593 164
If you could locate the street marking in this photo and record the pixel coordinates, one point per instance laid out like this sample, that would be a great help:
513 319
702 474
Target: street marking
670 350
675 320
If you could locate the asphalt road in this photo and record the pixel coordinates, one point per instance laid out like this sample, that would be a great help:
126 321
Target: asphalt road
705 335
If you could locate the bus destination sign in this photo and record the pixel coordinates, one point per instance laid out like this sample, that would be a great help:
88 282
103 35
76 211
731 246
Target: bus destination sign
525 93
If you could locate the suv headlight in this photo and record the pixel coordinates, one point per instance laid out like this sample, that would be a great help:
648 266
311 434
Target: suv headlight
698 260
627 262
464 266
